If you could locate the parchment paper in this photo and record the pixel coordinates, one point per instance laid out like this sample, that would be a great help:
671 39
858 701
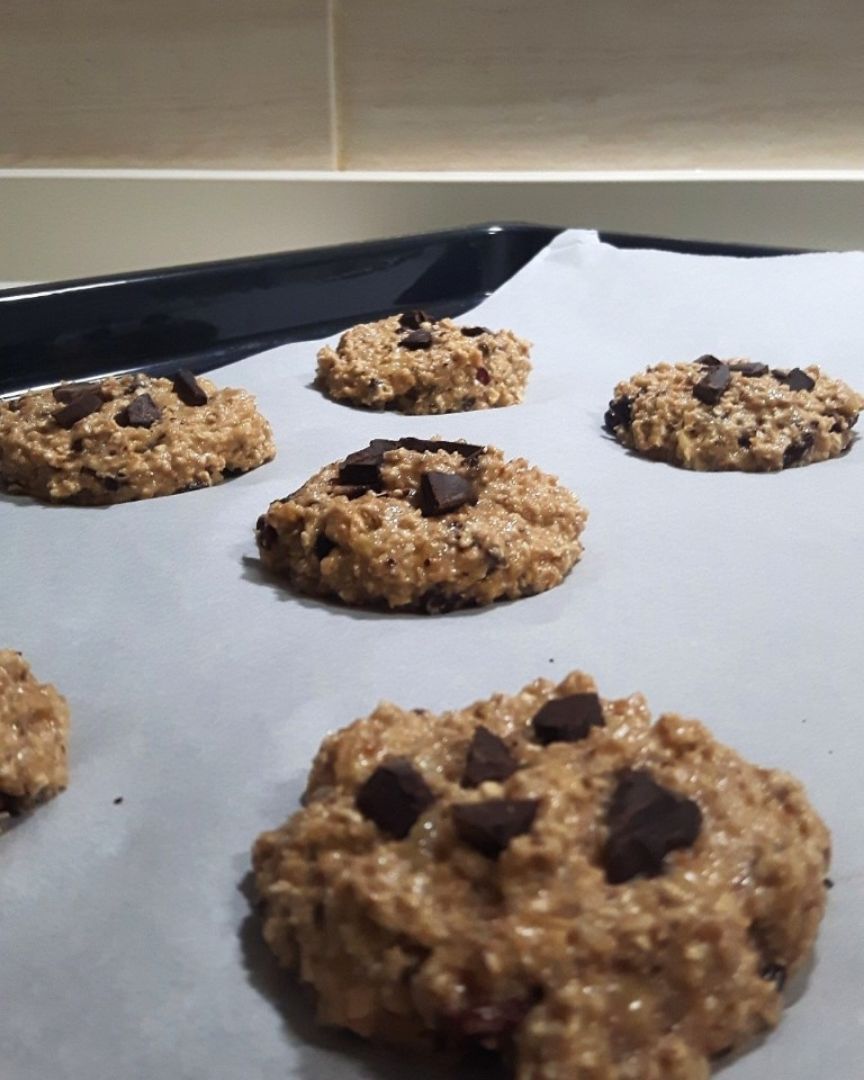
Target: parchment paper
199 691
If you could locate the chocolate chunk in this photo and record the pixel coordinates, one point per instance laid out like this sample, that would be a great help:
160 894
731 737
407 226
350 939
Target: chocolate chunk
413 320
323 545
795 451
492 1020
488 827
432 446
417 339
80 406
748 370
363 467
267 535
188 389
775 973
745 440
618 414
482 376
568 719
488 758
111 483
437 601
713 386
708 360
69 391
646 822
13 805
394 796
796 379
441 493
474 331
141 411
76 446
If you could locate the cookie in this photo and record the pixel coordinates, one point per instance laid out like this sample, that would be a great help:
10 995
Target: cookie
734 414
34 725
424 525
128 437
551 876
415 364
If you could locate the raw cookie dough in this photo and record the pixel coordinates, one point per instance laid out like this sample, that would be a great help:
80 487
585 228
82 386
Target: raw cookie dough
424 525
34 724
733 414
550 875
415 364
128 437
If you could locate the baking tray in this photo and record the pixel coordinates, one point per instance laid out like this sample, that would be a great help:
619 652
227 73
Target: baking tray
184 705
210 314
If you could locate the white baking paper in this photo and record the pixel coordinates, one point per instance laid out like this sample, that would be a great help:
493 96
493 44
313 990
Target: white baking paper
199 691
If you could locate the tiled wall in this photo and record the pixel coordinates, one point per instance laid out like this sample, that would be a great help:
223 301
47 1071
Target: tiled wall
432 84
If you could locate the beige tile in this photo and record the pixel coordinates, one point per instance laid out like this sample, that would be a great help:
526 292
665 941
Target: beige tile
241 83
571 84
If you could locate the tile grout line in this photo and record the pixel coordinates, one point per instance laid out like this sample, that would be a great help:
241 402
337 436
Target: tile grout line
333 87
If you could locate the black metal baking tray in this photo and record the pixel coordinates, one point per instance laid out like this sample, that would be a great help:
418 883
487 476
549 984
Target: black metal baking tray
209 314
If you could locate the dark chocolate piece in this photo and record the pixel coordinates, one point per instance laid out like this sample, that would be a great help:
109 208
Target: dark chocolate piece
441 493
437 601
618 414
267 535
188 389
568 719
394 796
80 406
646 822
775 973
474 331
417 339
413 320
482 376
141 411
713 386
795 451
69 391
324 545
796 379
488 827
745 440
363 467
708 360
13 805
749 370
488 758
